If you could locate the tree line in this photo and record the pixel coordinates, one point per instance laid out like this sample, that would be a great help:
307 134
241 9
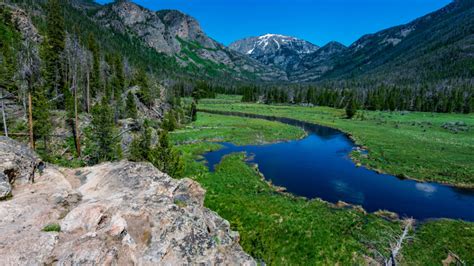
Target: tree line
447 98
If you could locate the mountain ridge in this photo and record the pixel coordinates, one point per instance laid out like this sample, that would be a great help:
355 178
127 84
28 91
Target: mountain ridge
180 36
428 44
275 49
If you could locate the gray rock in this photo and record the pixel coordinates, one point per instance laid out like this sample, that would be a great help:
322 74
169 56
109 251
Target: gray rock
17 161
114 214
24 24
458 126
5 187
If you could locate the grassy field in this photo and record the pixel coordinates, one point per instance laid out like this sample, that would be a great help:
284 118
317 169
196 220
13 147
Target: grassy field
422 146
282 229
219 128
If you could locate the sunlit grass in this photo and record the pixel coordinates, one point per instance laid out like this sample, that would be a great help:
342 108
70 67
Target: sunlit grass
408 144
281 229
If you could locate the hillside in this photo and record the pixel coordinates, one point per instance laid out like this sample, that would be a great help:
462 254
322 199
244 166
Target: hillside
438 46
168 42
315 64
180 37
434 47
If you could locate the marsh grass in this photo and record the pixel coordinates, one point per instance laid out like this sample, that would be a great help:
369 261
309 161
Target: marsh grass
281 229
406 144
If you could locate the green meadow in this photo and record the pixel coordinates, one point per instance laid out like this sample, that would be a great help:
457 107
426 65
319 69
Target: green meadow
423 146
281 229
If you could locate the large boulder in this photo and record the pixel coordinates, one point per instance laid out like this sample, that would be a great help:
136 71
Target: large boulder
17 165
5 187
116 214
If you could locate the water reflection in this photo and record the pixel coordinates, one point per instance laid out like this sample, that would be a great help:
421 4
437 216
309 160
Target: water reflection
426 188
318 167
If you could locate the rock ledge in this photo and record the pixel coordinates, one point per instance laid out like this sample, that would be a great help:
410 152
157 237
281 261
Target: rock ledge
114 213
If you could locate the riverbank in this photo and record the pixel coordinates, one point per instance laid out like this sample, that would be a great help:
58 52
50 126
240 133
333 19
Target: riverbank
283 229
420 146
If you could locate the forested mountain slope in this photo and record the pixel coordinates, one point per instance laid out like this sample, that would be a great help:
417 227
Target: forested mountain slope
78 92
167 42
180 37
434 47
431 49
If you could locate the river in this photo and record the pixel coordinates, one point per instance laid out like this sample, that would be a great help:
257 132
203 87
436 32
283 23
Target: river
319 166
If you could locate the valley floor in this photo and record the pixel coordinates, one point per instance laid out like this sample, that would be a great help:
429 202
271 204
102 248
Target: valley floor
282 229
423 146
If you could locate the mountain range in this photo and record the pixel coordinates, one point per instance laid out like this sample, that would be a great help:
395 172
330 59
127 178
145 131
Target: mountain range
439 45
180 36
435 47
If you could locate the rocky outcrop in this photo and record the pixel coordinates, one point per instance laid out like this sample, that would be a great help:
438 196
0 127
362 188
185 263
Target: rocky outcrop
23 23
5 187
160 30
17 165
115 213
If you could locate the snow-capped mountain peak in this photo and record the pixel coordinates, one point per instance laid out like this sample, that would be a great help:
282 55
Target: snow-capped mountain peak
269 43
276 49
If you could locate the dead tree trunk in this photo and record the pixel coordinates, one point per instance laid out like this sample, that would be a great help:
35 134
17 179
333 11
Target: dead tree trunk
5 128
30 121
76 125
88 93
397 246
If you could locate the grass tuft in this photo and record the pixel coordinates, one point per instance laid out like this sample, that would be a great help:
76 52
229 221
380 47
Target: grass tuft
54 227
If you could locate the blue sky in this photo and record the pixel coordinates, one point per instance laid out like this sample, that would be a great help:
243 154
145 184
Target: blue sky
318 21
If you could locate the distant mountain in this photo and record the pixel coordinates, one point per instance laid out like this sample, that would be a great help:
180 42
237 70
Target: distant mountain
276 50
434 47
314 65
180 36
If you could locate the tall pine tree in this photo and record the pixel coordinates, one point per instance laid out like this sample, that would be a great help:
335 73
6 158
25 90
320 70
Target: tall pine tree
166 158
105 144
53 52
131 106
42 126
145 94
95 78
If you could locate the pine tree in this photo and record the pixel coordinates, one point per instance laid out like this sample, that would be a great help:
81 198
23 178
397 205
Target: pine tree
9 38
193 111
169 122
145 95
131 107
119 80
351 107
166 158
469 105
140 147
105 145
95 82
310 95
53 49
42 126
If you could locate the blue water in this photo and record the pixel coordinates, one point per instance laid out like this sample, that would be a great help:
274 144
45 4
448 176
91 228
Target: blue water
319 166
